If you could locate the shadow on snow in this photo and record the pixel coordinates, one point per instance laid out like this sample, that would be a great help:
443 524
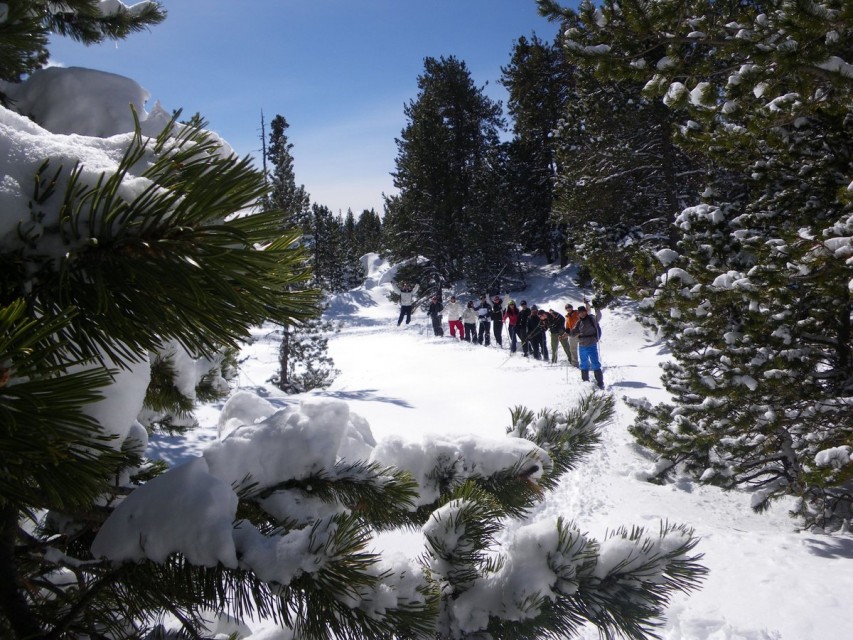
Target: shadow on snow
366 395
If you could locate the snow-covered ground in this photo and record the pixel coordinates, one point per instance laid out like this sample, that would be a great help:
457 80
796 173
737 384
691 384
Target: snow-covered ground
767 580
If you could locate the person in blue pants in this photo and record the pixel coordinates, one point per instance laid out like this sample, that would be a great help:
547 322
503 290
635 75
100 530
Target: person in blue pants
587 332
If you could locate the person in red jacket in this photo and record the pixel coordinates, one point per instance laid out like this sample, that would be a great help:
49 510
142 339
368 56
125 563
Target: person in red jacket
512 315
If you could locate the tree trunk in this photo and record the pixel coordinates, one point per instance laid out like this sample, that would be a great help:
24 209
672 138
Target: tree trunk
12 600
283 360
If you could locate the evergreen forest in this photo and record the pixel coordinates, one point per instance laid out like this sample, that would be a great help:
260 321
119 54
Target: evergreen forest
692 157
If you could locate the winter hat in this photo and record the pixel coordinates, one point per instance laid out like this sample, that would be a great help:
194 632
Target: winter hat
524 303
581 308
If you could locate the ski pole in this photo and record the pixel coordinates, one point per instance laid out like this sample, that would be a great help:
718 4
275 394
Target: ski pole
495 278
505 361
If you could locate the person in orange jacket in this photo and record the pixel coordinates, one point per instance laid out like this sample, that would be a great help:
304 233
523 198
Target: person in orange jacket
571 321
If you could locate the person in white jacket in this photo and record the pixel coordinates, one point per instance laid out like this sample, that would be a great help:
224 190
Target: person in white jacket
407 294
469 320
454 318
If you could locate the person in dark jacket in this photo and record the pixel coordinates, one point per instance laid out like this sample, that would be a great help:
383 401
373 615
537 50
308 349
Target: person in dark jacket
587 332
498 319
521 327
484 319
557 331
434 312
537 333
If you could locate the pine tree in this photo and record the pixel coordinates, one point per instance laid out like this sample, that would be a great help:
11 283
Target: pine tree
353 271
309 365
140 270
171 263
755 302
304 362
171 397
538 80
26 26
491 259
443 154
620 178
368 233
468 565
327 249
350 241
284 194
343 591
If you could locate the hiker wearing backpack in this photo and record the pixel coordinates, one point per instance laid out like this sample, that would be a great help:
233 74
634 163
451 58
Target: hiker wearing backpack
588 333
557 330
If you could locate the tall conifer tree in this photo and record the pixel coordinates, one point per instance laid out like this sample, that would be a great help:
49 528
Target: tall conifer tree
174 262
539 82
441 171
368 233
292 200
353 274
756 300
327 242
304 362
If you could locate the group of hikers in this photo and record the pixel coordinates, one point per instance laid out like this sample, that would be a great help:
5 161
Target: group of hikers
577 332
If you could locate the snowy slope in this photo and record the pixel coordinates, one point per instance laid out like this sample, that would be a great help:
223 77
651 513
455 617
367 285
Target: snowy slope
767 581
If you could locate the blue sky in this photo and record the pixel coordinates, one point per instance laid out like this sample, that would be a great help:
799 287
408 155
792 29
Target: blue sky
340 71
